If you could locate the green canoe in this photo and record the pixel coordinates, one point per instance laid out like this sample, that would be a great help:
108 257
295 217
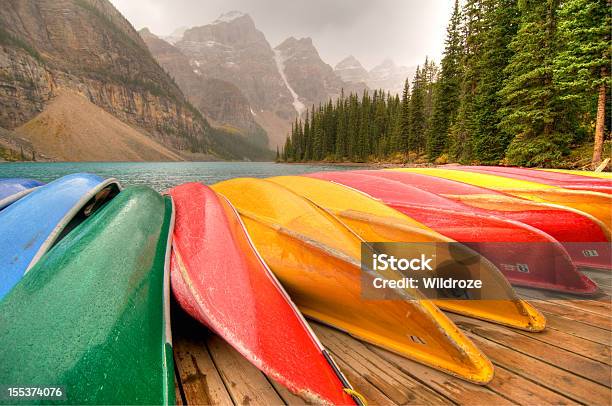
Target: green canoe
92 316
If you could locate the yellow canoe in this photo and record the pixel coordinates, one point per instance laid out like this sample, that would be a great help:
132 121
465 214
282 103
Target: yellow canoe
598 205
373 221
317 259
590 174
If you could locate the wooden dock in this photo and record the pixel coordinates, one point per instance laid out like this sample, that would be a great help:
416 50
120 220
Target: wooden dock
569 363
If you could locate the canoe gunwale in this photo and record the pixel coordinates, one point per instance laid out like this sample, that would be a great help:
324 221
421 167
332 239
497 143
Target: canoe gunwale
7 201
52 237
168 386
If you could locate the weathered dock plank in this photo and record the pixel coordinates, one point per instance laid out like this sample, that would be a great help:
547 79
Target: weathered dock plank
569 363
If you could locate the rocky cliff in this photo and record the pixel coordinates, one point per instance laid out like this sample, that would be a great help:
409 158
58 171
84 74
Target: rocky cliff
219 100
88 47
309 77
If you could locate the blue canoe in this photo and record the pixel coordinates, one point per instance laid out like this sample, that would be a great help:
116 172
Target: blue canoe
13 189
31 225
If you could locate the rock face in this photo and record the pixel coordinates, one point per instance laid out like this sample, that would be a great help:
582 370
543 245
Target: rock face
278 84
220 101
234 50
87 46
350 70
387 76
71 128
308 76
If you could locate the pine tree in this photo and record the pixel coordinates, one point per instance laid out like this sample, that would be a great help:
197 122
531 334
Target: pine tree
465 123
278 158
581 68
500 24
530 101
446 90
417 112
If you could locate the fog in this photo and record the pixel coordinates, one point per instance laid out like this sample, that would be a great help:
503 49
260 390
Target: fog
403 30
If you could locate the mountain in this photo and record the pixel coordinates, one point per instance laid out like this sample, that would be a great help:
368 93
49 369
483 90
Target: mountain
350 70
278 84
387 75
176 35
88 48
70 129
232 49
307 75
220 101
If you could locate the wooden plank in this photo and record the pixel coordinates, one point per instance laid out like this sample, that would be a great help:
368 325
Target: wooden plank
287 397
395 384
200 380
561 358
455 389
600 305
586 348
245 383
372 394
592 319
524 391
572 386
584 331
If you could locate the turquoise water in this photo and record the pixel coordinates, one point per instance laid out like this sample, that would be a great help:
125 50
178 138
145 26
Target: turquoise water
159 175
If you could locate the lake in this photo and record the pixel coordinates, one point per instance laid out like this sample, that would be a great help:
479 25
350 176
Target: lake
159 175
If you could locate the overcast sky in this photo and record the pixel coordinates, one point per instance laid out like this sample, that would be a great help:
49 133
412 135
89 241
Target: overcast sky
403 30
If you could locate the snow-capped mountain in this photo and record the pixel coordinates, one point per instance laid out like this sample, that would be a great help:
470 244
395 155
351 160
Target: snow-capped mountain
350 70
387 75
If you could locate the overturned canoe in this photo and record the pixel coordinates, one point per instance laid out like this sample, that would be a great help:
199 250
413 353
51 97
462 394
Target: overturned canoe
30 226
13 189
317 259
585 238
373 221
525 255
562 180
589 174
92 315
598 205
219 278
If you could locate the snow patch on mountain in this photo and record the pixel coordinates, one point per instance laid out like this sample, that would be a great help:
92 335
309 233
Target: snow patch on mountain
229 17
280 64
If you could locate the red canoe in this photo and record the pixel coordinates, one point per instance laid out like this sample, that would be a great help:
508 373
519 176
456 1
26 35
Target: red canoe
219 278
564 180
584 237
526 256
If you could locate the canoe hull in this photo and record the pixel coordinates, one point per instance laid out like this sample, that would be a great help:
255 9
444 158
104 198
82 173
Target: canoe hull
260 321
563 180
578 232
317 261
30 226
107 277
14 189
525 255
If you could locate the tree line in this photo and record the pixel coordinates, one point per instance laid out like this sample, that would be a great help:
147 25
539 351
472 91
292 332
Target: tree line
520 82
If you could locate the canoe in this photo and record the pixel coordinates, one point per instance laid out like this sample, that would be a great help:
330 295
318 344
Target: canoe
220 279
373 221
30 226
13 189
525 255
590 174
562 180
585 238
598 205
92 315
317 260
